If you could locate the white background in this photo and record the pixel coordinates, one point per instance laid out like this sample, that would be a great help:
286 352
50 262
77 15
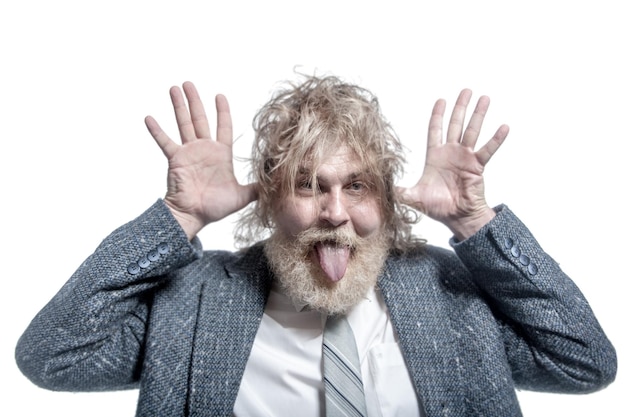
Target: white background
78 77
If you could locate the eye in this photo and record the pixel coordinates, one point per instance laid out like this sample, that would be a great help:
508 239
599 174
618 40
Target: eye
305 184
357 186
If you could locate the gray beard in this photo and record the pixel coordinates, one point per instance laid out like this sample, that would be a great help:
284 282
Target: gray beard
304 281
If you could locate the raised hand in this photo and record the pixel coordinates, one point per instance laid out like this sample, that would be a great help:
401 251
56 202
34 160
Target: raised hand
201 184
451 189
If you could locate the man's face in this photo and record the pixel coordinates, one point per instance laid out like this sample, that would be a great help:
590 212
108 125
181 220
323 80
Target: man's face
328 243
342 201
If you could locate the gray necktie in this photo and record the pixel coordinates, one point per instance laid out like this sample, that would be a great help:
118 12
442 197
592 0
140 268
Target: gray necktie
342 370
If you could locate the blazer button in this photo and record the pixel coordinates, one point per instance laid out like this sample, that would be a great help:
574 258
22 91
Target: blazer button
508 243
133 269
143 262
532 269
515 251
163 248
524 260
153 255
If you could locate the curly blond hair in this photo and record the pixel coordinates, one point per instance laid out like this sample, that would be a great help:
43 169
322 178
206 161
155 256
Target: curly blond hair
307 120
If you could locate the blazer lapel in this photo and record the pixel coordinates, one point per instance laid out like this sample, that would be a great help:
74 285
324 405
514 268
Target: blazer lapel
416 302
231 309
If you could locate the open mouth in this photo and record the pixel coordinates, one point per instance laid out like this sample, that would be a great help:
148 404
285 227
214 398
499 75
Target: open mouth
333 258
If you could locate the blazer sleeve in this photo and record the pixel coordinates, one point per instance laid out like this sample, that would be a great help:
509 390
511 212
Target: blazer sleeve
90 336
552 338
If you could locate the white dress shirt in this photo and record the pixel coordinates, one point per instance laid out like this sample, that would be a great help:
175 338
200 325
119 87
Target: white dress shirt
283 376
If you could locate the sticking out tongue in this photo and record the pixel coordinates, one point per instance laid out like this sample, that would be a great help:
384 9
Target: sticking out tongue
333 259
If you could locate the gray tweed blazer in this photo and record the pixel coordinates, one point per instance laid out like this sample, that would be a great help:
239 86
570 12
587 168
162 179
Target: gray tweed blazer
149 309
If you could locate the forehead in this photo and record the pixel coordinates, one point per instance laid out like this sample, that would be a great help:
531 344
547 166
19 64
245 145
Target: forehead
340 161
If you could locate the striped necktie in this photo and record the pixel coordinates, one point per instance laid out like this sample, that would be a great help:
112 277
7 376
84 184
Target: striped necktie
342 370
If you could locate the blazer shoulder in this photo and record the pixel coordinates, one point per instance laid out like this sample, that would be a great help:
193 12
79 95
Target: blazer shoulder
425 257
429 263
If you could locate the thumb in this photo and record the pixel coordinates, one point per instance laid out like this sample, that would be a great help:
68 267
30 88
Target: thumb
249 193
409 197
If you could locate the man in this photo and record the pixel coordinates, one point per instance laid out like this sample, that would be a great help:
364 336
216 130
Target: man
438 333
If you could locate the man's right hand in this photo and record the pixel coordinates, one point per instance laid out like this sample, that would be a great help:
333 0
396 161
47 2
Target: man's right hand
201 184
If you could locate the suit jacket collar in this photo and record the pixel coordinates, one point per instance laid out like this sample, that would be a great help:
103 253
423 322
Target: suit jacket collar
220 352
415 304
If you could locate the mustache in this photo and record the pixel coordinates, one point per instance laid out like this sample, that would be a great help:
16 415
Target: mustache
339 237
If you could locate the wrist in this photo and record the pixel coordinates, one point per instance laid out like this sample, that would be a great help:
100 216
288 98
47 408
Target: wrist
190 225
466 226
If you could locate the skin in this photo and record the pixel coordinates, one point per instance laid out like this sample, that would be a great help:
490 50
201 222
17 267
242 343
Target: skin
450 190
200 168
342 200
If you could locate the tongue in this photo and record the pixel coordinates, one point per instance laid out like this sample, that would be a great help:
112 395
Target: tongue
333 259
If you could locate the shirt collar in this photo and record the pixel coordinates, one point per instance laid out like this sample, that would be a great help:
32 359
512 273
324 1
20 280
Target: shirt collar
300 306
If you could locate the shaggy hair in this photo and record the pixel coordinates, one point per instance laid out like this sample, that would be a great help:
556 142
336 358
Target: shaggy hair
304 122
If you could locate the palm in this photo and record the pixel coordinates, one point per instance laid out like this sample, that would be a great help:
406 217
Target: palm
451 188
201 184
201 180
451 184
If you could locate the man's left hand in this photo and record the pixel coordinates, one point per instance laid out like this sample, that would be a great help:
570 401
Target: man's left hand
451 189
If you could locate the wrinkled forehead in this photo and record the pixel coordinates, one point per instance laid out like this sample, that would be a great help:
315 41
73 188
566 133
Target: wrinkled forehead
339 154
340 160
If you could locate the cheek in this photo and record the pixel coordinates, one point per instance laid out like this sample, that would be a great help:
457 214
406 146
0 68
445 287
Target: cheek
292 217
367 219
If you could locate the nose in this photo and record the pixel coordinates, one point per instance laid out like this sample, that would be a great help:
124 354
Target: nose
333 209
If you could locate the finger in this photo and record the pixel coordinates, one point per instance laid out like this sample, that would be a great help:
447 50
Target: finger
224 121
196 108
455 128
435 125
485 153
167 145
183 119
470 136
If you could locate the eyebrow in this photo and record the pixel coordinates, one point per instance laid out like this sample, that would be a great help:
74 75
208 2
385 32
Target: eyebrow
305 172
